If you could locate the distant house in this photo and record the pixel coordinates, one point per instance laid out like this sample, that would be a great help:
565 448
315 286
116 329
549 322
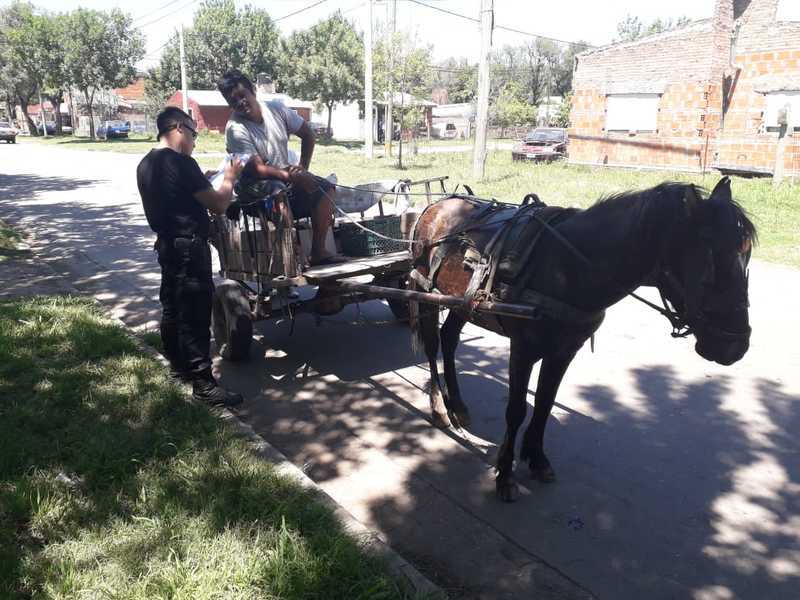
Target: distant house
130 100
209 109
713 94
453 120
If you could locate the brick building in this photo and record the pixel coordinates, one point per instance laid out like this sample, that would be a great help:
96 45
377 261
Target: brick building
712 94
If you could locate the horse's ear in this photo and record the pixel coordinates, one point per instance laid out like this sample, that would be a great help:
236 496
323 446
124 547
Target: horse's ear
691 199
722 191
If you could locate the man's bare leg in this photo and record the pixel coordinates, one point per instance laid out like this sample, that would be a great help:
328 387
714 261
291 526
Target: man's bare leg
321 222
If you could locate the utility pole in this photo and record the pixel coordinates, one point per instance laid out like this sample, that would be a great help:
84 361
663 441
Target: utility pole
482 116
41 113
368 100
388 125
184 92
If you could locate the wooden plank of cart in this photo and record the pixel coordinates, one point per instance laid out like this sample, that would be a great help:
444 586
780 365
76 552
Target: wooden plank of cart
262 254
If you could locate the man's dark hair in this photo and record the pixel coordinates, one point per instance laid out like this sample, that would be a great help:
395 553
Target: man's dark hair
170 118
230 80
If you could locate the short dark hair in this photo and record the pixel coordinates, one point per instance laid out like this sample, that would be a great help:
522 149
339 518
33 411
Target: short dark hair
170 118
230 80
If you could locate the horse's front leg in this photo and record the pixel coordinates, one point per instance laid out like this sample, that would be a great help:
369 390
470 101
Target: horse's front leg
520 364
550 376
429 331
450 335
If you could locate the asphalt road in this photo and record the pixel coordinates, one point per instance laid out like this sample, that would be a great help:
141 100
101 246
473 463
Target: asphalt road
677 478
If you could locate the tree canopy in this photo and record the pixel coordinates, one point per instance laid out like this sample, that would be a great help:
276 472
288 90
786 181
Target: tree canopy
632 28
325 63
221 38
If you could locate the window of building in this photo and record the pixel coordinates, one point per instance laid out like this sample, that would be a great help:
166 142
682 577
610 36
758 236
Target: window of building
632 112
788 10
778 105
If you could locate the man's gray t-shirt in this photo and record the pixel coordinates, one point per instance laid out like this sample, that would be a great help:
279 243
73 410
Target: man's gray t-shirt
268 139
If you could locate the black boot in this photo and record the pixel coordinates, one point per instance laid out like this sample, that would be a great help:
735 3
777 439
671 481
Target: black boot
208 391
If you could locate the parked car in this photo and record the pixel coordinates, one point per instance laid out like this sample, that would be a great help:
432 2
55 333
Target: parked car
113 129
542 144
320 129
445 130
51 128
8 132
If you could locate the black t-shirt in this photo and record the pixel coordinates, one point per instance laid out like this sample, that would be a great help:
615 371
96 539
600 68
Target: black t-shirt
167 183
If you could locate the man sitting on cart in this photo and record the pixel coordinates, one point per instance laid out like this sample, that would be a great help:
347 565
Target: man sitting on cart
262 130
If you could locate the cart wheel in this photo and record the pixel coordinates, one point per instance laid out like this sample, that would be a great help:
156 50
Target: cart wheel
231 321
399 308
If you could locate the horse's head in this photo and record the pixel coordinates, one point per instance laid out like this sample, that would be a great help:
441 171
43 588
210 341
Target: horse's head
705 276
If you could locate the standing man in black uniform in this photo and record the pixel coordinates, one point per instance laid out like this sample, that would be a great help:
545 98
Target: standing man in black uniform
176 197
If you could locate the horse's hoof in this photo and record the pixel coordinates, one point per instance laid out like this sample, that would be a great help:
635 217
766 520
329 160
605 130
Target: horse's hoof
461 418
544 473
441 420
507 491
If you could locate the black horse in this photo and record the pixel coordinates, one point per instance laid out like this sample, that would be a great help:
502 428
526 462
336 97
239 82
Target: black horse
694 248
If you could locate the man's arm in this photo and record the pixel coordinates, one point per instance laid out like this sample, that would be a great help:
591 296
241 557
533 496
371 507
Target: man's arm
307 143
218 201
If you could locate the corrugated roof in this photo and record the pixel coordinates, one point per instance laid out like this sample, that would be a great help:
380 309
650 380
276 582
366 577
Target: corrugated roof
207 97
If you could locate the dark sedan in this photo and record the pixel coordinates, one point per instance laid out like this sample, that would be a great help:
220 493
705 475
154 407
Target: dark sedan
113 129
542 144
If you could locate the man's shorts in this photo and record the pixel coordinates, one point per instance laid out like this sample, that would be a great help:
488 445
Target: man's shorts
303 203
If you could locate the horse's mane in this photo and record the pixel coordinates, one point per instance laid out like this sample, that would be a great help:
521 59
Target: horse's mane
662 200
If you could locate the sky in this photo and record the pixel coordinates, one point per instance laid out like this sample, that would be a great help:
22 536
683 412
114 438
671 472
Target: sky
571 20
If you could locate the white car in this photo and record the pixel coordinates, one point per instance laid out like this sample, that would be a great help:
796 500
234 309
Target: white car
8 133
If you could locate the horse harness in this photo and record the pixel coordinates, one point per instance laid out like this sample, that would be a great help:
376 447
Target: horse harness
498 243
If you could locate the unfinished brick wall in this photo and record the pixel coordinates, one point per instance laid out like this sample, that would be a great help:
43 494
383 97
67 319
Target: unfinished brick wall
676 65
689 69
767 59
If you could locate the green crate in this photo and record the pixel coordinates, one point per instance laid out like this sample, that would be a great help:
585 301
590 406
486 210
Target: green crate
357 242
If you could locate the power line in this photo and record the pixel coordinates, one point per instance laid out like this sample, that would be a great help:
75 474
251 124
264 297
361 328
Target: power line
152 12
535 35
297 12
162 17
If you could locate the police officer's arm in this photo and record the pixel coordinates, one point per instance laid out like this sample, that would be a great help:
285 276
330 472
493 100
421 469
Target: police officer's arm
217 201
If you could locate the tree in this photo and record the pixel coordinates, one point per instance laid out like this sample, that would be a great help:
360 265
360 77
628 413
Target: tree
459 78
632 28
101 52
410 74
18 83
220 38
325 63
510 107
562 117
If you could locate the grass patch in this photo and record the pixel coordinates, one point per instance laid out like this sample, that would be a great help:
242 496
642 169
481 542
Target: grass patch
111 485
9 243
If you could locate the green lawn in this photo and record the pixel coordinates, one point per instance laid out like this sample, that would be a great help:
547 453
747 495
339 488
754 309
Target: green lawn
113 486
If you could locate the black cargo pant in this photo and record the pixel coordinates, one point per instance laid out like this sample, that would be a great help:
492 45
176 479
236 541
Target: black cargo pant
186 291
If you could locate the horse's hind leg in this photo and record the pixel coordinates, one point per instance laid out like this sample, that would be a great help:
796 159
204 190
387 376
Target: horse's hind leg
450 334
520 364
550 376
429 332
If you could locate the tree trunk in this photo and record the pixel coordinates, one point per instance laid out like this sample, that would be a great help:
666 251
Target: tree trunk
23 104
89 101
330 116
56 100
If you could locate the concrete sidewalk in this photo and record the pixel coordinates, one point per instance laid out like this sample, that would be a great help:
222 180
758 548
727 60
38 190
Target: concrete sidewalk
677 478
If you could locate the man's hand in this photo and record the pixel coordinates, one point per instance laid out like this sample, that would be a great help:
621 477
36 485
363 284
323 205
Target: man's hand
301 178
233 169
210 173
